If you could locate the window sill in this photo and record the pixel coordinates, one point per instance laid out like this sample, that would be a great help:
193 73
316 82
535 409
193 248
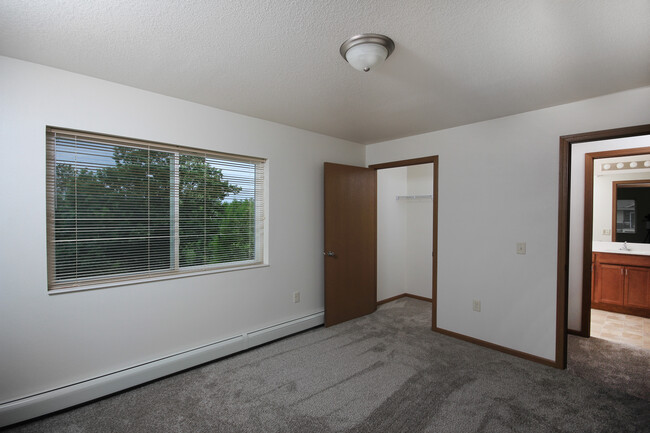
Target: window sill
151 279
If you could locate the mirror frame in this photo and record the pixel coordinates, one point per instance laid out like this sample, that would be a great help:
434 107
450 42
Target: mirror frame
638 183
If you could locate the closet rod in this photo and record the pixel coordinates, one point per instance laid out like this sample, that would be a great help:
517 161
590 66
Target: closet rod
413 197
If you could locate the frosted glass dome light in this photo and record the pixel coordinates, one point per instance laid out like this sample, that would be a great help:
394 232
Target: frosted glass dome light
365 56
364 52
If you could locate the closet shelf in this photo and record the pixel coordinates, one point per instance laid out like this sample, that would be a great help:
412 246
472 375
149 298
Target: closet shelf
414 197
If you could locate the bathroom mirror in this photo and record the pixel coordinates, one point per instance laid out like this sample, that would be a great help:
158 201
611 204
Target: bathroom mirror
621 199
631 211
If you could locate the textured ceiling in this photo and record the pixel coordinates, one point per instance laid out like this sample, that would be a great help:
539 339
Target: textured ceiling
455 62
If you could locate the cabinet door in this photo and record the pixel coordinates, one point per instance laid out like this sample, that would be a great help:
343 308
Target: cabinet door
611 281
637 288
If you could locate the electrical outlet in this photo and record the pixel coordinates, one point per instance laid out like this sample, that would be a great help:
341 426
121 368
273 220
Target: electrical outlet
296 297
521 247
607 231
476 305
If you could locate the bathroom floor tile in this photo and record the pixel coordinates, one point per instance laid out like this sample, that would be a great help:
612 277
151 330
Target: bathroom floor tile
621 328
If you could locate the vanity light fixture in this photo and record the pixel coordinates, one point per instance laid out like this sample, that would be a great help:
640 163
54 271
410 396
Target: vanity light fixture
367 50
625 165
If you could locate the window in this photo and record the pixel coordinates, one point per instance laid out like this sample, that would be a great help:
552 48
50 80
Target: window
625 216
122 209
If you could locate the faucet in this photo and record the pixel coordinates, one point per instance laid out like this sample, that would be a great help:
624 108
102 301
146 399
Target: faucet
625 247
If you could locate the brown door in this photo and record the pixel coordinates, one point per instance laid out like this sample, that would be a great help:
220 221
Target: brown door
350 242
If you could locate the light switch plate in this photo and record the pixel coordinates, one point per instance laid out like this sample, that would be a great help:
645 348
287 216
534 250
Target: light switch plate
521 247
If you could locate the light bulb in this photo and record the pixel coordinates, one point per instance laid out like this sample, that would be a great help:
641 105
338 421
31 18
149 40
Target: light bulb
620 165
606 166
633 164
646 164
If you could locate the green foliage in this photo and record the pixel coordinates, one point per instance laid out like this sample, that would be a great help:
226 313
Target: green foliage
202 215
117 218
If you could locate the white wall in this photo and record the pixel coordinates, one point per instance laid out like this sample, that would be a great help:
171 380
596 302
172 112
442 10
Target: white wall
391 233
419 230
498 185
49 341
577 206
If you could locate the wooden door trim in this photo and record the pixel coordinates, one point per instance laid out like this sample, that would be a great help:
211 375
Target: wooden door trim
564 198
434 258
588 227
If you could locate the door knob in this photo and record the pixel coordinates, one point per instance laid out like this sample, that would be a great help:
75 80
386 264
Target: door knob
329 253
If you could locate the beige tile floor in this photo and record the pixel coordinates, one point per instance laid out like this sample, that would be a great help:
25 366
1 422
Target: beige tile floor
621 328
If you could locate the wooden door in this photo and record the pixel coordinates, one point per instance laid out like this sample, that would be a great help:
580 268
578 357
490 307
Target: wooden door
350 242
637 287
611 279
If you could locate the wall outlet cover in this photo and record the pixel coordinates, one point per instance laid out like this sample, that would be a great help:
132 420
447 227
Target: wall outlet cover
296 297
521 247
476 305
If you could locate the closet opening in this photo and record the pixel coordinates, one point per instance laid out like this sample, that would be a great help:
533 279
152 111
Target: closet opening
407 209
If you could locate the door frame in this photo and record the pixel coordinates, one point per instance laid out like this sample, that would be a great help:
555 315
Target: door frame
588 227
434 257
564 198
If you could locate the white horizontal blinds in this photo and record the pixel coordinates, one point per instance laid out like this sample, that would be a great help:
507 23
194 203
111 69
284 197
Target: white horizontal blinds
122 209
220 210
110 208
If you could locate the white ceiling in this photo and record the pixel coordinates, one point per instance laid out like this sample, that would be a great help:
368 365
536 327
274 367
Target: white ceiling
455 62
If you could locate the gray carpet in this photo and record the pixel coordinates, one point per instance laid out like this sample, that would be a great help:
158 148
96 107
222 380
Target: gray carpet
387 372
619 366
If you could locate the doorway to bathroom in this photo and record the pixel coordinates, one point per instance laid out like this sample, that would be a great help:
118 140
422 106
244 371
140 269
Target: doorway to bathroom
575 229
617 230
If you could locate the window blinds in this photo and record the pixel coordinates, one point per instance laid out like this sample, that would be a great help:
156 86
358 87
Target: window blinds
127 209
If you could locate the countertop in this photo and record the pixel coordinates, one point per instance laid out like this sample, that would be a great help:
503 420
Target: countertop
614 247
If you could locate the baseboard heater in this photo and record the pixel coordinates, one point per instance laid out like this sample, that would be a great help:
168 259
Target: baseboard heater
91 389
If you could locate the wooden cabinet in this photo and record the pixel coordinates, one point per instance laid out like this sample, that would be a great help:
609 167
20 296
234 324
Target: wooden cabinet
637 289
621 283
611 289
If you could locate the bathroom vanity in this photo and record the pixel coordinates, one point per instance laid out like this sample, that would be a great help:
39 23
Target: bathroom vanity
620 282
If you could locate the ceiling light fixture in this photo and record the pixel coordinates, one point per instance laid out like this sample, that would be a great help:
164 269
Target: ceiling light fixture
367 50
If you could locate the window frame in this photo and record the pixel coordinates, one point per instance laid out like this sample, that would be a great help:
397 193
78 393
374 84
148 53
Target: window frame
260 204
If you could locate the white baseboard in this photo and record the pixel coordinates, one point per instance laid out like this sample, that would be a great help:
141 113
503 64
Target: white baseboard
81 392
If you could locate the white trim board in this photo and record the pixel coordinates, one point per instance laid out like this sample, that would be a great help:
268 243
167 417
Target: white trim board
53 400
